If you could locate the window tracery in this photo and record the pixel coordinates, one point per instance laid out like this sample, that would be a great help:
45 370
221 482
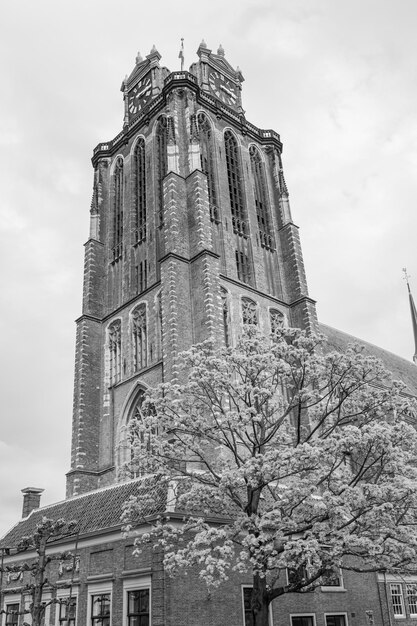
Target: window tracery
276 319
249 312
140 192
139 333
115 350
235 185
117 249
261 199
207 163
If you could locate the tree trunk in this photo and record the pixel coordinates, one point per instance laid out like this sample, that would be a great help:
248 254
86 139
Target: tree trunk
260 603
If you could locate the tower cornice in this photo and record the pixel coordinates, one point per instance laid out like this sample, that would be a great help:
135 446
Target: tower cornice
185 80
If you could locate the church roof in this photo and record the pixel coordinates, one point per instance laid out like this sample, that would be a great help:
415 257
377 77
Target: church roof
400 368
95 511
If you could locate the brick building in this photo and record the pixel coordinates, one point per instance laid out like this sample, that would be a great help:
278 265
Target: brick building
191 236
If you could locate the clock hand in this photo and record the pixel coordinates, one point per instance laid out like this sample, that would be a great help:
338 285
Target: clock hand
228 91
145 89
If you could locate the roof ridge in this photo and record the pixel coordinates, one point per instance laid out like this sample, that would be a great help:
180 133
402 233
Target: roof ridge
367 343
85 494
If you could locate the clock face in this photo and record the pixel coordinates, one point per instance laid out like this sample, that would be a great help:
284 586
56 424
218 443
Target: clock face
140 95
223 88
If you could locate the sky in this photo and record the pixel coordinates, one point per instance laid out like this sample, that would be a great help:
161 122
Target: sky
336 79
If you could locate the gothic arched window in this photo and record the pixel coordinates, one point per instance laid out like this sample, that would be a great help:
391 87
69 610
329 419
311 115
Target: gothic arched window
225 315
261 198
138 440
118 210
276 319
115 351
139 337
235 185
161 162
249 311
139 191
207 163
158 307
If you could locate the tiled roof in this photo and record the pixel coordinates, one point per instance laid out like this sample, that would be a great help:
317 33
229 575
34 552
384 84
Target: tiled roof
94 511
400 368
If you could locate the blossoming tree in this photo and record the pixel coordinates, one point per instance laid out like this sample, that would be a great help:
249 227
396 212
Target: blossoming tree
286 458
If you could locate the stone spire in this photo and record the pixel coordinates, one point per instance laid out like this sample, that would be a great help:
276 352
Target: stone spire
413 313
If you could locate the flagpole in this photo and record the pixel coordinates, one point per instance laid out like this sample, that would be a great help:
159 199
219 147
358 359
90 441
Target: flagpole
181 54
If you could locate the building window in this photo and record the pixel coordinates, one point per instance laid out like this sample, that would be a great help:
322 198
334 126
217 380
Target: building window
12 614
249 311
302 620
332 579
248 614
117 249
139 333
100 609
141 275
397 600
138 607
234 179
158 307
243 267
67 611
115 350
226 316
207 163
139 192
336 620
276 319
411 590
261 199
161 163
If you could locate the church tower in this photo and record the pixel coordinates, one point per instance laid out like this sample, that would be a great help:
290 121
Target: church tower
191 237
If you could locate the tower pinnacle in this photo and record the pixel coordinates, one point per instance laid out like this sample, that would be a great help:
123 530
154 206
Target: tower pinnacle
413 313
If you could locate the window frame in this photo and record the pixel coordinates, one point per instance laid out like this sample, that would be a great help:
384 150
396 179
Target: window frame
99 589
401 615
413 614
16 615
312 615
339 587
270 616
136 584
336 614
63 594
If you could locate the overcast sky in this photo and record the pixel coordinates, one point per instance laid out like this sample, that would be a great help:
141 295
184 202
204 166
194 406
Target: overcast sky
337 80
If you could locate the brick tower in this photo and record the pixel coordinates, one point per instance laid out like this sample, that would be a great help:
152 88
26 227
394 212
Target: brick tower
191 236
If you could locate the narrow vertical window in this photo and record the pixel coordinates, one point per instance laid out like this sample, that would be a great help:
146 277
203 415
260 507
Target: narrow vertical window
139 333
225 316
158 306
276 319
138 607
115 349
12 614
207 163
100 610
139 192
67 611
243 267
235 185
161 163
261 198
249 311
397 600
412 599
118 210
247 606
